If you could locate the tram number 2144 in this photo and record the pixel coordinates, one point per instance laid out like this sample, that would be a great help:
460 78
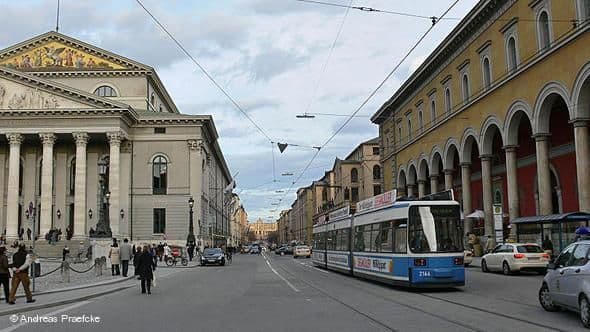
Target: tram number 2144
424 273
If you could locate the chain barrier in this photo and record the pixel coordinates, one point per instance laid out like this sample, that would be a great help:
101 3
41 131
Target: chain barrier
50 272
90 268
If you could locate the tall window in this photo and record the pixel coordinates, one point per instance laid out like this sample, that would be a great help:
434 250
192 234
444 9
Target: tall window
159 221
354 175
376 172
420 121
432 111
73 177
487 73
105 91
448 100
399 133
465 85
409 128
376 190
346 194
543 30
375 151
354 192
512 58
160 175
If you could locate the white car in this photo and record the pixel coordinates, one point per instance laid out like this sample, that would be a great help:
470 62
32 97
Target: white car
516 257
467 257
301 251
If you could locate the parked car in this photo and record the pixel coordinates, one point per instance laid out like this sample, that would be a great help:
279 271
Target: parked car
213 256
301 251
467 257
567 283
516 257
284 250
255 249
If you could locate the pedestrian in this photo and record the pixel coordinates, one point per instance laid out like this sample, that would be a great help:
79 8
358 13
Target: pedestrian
29 234
65 253
115 256
4 273
136 257
548 245
191 251
21 261
489 244
167 252
154 254
126 254
160 251
146 267
21 233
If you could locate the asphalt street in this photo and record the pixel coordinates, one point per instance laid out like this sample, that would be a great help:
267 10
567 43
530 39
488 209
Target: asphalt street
274 293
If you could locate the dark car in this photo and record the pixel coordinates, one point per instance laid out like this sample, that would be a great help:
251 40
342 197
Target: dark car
213 256
284 250
255 249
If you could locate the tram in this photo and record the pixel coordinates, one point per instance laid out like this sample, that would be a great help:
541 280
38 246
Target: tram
409 242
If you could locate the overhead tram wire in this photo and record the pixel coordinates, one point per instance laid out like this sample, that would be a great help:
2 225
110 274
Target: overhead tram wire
372 94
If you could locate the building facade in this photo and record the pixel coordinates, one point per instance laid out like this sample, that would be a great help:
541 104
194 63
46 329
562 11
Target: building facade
499 112
262 229
87 135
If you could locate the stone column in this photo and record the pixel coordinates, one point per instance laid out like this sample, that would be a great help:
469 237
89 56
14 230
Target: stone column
543 174
411 188
421 187
80 186
582 164
449 178
48 140
486 181
512 182
12 216
434 183
114 157
466 192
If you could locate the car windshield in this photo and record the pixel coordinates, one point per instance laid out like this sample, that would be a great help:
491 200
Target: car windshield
301 247
212 251
529 249
435 229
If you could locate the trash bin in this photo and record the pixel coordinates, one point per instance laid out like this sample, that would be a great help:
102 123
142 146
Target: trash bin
37 269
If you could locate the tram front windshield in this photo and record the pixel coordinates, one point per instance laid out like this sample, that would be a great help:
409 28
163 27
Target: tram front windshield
435 229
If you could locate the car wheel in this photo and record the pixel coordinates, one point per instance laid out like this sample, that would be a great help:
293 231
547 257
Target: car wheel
585 311
545 299
484 266
506 269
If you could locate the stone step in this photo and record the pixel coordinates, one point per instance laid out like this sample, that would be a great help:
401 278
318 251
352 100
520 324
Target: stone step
46 250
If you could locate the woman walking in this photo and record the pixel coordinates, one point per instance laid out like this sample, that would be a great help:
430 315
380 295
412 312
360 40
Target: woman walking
146 268
4 273
115 256
136 257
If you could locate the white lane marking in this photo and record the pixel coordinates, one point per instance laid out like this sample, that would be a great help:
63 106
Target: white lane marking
53 313
280 276
321 270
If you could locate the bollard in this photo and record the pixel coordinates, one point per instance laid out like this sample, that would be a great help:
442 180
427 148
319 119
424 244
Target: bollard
65 271
98 267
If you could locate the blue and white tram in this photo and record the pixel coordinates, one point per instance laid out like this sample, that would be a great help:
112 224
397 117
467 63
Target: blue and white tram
415 243
318 253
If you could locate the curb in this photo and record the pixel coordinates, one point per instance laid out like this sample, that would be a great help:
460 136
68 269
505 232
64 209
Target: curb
60 290
60 303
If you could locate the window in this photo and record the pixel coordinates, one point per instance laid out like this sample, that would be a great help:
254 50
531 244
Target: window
565 256
420 121
159 221
579 257
400 235
152 99
160 109
355 194
399 132
511 56
409 128
343 239
487 73
375 151
359 237
376 172
331 240
465 86
376 190
435 229
433 111
346 194
448 100
160 130
354 175
543 30
73 177
159 173
105 91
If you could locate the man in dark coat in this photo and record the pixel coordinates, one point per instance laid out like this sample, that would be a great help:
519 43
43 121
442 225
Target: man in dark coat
146 268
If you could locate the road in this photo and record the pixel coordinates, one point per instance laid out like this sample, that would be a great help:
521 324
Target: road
274 293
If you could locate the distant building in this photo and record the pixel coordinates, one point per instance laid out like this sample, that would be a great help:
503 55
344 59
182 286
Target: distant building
262 229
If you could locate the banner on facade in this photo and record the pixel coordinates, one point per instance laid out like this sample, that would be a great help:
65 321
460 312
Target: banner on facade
376 202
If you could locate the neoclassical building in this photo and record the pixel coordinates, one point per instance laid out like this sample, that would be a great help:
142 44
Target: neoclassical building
86 135
499 112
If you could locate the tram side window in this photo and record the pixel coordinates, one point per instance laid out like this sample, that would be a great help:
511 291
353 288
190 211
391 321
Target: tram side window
386 237
374 239
342 243
400 230
330 240
359 238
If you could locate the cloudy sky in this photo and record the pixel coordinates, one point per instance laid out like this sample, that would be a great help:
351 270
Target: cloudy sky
272 57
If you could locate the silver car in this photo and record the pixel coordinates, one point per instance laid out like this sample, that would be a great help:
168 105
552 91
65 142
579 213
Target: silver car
567 283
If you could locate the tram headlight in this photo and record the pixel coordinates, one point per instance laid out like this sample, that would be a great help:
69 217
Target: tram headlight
420 262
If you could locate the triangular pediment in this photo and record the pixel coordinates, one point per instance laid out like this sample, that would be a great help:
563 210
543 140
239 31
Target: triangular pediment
22 91
55 52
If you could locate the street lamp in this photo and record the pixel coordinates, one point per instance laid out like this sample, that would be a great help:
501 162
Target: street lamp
191 236
103 228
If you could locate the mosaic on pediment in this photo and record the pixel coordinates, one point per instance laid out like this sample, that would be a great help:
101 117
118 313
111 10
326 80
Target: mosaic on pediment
56 56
